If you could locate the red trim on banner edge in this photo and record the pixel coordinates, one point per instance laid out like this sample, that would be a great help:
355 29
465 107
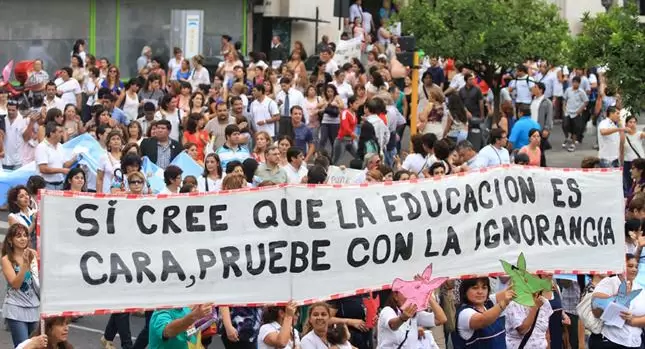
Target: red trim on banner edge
306 301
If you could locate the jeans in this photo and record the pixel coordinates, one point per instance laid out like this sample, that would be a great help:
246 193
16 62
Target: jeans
627 177
340 146
54 186
10 167
604 163
328 133
142 338
20 330
119 323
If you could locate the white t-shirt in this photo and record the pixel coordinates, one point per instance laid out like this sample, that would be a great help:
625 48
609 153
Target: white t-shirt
212 184
295 176
492 156
267 329
389 339
608 146
53 157
628 336
264 110
311 341
415 163
13 141
69 90
107 164
637 142
173 66
463 323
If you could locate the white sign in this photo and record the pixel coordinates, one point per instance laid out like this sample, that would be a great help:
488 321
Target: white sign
193 31
347 49
337 175
304 243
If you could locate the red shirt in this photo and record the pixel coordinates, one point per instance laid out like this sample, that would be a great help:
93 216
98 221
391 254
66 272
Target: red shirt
347 124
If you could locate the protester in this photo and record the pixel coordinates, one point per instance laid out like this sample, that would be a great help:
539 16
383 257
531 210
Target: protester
22 301
55 335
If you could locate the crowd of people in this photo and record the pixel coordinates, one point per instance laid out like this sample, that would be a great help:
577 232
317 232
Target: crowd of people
252 124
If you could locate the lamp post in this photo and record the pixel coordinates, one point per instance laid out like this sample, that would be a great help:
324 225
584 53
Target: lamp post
607 4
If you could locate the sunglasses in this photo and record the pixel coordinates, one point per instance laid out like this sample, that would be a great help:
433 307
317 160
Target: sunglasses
136 182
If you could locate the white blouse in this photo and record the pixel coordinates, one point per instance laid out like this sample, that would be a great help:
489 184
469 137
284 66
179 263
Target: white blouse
626 335
406 333
515 315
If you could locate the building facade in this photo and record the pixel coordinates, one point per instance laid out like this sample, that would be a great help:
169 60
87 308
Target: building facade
115 29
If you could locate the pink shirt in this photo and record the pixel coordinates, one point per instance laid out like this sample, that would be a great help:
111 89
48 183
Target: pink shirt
534 157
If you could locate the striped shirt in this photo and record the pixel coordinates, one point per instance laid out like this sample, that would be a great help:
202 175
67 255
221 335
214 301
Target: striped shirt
227 154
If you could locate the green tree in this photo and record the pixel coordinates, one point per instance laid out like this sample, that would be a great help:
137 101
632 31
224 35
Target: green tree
617 40
489 35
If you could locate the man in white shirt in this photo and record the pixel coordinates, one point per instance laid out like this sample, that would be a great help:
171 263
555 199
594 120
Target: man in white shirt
521 86
609 137
458 81
326 56
287 98
51 158
13 141
344 89
368 22
68 88
51 100
356 10
495 153
296 168
264 111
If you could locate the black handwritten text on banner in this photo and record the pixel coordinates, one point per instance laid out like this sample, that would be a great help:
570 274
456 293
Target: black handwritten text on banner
308 243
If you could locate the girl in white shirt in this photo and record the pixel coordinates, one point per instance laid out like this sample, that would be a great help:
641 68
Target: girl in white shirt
628 335
277 330
211 179
398 325
315 328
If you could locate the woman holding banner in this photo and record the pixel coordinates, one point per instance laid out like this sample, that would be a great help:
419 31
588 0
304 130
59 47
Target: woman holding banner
629 334
398 327
277 328
480 323
315 329
20 269
55 337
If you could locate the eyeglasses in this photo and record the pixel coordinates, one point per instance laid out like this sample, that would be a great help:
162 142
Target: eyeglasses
137 182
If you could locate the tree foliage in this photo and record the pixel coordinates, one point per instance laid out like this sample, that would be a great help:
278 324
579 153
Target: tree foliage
494 33
615 39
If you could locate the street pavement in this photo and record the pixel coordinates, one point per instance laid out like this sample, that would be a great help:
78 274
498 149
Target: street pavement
85 333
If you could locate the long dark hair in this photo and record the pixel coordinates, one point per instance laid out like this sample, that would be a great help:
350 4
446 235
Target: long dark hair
219 165
7 246
456 108
49 324
367 134
67 185
470 283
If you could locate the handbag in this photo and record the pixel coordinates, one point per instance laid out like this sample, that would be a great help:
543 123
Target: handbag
591 323
332 111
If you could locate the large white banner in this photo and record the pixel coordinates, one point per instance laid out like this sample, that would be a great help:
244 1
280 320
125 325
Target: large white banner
304 243
347 49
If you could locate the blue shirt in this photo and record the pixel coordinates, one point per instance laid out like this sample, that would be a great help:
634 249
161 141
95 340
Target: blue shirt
120 117
520 131
303 137
181 75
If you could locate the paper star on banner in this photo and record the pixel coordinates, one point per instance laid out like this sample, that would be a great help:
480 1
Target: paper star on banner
524 283
419 290
623 297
